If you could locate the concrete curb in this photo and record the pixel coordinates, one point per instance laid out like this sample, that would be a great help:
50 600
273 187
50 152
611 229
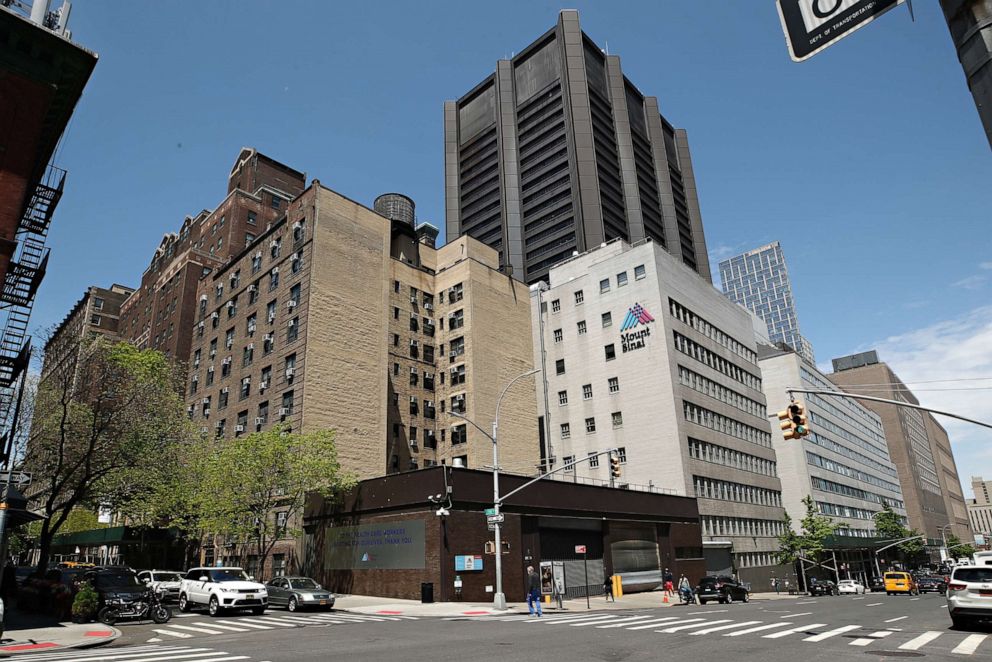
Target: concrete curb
84 642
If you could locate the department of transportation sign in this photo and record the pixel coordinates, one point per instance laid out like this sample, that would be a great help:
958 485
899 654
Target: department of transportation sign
812 25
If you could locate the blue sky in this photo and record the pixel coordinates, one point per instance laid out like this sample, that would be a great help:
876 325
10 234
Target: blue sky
868 162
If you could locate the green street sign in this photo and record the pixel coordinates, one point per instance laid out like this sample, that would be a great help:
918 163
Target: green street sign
490 511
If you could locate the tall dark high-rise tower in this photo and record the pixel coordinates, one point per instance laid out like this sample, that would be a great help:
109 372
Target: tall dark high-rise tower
558 152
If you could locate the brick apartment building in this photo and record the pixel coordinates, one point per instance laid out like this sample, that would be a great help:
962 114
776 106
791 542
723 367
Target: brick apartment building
161 311
339 318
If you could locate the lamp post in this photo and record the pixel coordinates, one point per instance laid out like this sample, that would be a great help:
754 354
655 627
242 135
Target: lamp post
499 598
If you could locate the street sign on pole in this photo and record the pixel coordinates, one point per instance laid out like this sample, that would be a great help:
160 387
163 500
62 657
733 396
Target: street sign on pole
812 25
16 478
580 549
490 511
495 519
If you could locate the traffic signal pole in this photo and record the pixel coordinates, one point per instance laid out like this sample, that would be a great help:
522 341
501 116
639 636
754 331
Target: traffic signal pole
898 403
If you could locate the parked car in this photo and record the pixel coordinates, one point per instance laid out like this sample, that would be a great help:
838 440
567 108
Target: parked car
165 582
969 595
221 589
900 582
876 584
118 585
723 589
931 585
298 593
851 586
822 587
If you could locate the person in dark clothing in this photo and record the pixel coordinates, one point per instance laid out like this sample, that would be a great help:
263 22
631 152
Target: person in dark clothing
608 589
533 591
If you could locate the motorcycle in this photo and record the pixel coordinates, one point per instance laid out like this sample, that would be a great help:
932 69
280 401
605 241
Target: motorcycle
151 606
687 596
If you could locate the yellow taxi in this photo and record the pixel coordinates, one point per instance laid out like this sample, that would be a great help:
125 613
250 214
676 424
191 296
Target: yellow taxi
900 582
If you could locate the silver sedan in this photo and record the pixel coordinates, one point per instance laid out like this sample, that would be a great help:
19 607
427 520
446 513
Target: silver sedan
295 593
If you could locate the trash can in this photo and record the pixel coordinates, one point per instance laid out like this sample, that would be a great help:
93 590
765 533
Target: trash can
427 592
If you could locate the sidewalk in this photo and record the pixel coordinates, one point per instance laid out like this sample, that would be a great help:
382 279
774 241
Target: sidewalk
366 604
30 633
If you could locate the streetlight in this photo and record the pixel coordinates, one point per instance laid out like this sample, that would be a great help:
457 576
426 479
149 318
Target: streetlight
499 598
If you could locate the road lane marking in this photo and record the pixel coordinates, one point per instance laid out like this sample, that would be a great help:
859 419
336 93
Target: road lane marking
893 620
920 641
913 599
623 621
864 641
586 621
805 613
800 628
215 625
172 633
970 644
195 629
808 602
269 620
861 598
757 629
692 623
832 633
129 651
153 656
248 624
591 622
651 624
566 619
874 604
724 627
708 611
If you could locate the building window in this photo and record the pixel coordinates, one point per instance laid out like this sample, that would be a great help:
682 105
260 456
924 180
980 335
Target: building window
270 311
273 279
639 272
459 434
560 367
456 320
579 297
266 378
556 306
294 294
279 561
593 459
614 383
248 355
558 335
276 202
396 286
222 400
229 338
297 261
236 279
396 313
582 327
587 391
95 320
97 303
414 324
396 340
562 397
604 286
617 419
256 263
611 352
569 462
287 404
251 324
590 425
290 367
253 293
242 423
566 431
294 330
622 455
621 279
607 320
252 218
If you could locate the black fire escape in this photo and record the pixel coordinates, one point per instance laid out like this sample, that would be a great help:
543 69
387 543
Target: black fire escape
24 275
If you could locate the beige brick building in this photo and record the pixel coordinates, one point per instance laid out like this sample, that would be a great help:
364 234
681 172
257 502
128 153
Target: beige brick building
337 317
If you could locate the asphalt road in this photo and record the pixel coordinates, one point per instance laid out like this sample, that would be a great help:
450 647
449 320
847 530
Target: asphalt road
837 629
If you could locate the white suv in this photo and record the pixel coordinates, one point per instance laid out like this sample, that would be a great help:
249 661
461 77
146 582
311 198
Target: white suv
969 594
220 589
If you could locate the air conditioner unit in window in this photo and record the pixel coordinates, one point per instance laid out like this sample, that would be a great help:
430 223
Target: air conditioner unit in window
428 306
295 257
251 346
292 323
214 315
206 401
239 428
291 304
203 429
274 243
210 369
272 318
229 343
297 225
253 288
230 304
284 411
452 355
264 384
219 425
246 380
227 361
225 390
196 378
258 255
413 298
200 326
275 271
260 420
289 373
203 297
268 337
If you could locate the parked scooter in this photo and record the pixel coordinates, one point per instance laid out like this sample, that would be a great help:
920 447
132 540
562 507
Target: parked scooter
151 606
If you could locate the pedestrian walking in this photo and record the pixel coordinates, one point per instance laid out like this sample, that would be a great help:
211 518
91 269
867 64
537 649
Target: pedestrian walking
608 589
685 590
775 584
559 594
787 587
533 591
669 579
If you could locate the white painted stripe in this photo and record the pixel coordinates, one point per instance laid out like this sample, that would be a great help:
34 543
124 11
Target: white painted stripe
708 611
757 629
920 641
583 619
623 621
874 604
130 651
724 627
154 639
688 623
221 627
800 628
808 602
171 633
864 641
164 656
268 620
832 633
363 618
589 622
533 618
858 598
195 629
301 619
913 599
970 644
899 618
654 623
805 613
248 623
592 621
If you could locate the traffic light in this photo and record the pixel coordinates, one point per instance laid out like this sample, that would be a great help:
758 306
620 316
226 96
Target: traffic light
614 466
793 422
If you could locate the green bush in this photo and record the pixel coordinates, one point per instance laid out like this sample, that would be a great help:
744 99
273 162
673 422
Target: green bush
85 605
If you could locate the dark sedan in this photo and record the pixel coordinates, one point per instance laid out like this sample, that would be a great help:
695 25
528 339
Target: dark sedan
822 587
723 589
931 585
876 585
297 593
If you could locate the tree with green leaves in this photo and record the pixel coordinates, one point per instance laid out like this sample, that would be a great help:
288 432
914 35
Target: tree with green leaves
104 412
253 488
956 549
889 526
809 544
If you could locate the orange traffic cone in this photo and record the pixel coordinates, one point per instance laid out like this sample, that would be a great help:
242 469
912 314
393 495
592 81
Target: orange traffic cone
665 601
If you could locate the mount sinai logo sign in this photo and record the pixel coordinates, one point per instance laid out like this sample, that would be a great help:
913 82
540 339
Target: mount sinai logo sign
636 316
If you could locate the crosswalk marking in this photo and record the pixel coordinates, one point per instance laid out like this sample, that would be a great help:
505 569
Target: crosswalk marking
920 641
650 624
970 644
561 619
269 620
173 633
757 629
874 604
218 627
130 652
590 622
681 625
723 627
195 629
244 622
832 633
805 613
864 641
584 619
623 621
893 620
786 633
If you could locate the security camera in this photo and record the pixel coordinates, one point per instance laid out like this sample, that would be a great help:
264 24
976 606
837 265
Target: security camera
442 512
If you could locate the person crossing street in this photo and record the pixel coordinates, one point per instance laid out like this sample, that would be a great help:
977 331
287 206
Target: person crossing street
533 591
